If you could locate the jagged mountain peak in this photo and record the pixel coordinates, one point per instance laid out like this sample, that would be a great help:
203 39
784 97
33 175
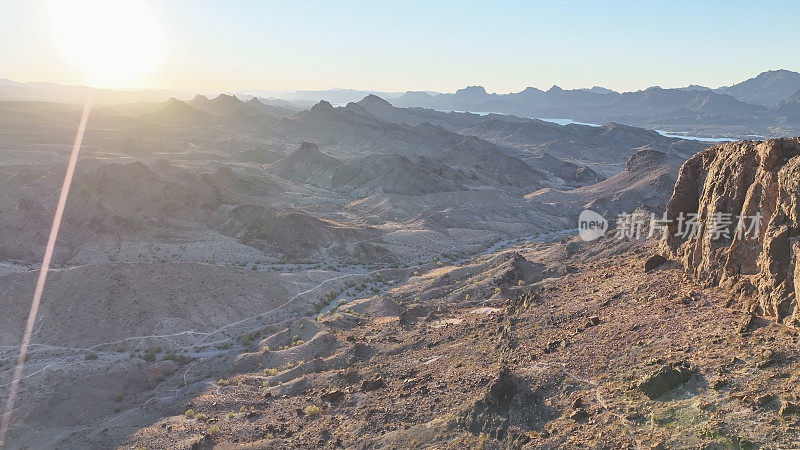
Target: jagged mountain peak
599 90
177 110
472 90
373 100
694 87
322 106
308 148
777 74
227 98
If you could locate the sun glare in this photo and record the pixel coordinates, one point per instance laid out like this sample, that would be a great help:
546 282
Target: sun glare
115 43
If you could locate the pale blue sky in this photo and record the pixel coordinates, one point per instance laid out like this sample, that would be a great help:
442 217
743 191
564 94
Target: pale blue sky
442 46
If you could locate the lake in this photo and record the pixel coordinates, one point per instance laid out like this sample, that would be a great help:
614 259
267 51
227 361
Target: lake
563 122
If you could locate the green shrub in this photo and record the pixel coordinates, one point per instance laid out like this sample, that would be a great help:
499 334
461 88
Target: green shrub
150 354
248 338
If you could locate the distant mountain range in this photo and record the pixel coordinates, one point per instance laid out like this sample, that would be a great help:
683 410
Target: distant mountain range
753 107
763 106
336 96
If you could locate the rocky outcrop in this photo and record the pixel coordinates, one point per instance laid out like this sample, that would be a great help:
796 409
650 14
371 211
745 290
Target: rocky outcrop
746 195
665 379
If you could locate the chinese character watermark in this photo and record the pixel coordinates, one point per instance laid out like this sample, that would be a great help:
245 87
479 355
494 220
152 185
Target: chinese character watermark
687 226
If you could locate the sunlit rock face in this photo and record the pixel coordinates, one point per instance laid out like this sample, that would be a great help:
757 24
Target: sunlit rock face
756 256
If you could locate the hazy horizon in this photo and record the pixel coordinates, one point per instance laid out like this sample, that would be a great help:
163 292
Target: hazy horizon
215 92
242 45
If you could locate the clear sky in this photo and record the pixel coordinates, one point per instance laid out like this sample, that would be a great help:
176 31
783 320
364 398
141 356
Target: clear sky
427 45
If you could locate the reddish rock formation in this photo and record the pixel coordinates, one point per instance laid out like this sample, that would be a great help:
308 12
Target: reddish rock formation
743 179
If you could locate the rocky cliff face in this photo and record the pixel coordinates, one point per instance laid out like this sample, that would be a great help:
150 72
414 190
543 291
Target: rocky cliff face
757 257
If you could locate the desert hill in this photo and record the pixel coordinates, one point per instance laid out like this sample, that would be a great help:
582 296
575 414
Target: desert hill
306 164
570 174
294 234
176 111
470 164
646 182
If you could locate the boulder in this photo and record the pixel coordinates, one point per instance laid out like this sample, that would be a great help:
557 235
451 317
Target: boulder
490 413
665 379
371 385
502 389
654 262
332 396
789 409
579 415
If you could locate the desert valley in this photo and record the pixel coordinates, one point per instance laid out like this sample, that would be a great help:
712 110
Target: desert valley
195 254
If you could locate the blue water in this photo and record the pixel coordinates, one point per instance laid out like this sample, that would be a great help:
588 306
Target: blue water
568 122
678 135
695 138
663 133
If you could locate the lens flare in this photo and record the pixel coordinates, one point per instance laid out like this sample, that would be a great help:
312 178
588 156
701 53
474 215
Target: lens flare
5 421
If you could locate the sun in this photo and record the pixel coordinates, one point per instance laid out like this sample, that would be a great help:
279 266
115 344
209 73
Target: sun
114 43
